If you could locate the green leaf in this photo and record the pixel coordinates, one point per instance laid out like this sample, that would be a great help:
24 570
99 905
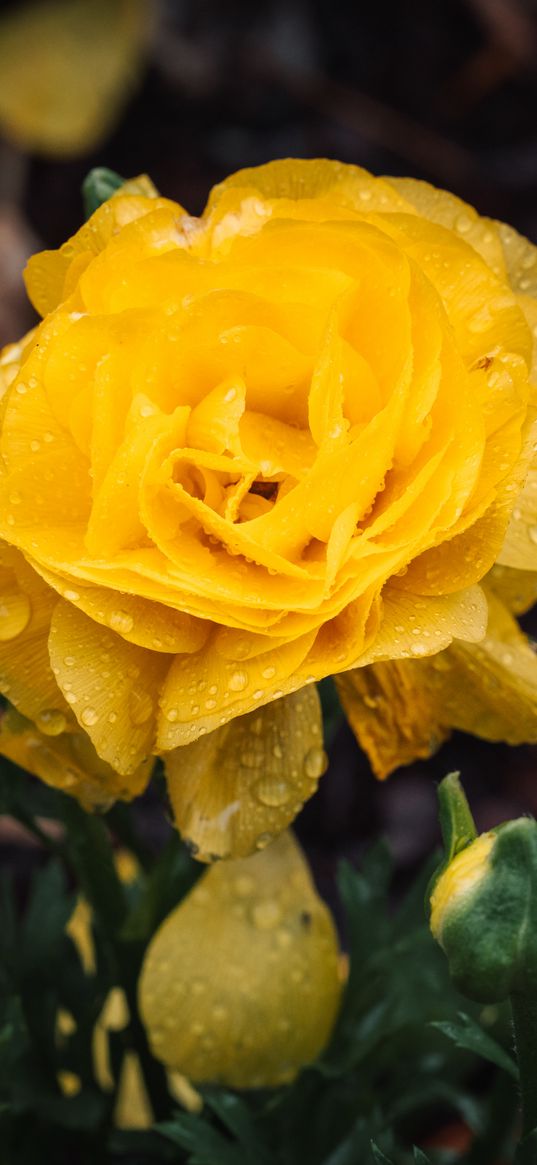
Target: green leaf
204 1143
469 1035
419 1157
98 186
235 1115
378 1155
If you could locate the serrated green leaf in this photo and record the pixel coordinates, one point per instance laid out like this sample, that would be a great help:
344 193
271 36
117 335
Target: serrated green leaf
469 1035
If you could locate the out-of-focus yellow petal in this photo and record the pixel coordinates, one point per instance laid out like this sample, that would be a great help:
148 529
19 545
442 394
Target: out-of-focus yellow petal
241 983
112 686
516 588
234 790
67 67
133 1107
392 712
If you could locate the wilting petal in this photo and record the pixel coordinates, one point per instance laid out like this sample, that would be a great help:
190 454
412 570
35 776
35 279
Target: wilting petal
392 712
112 686
244 783
240 985
403 710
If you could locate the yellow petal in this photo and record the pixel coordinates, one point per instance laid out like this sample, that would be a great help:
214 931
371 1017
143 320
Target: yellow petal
26 607
299 180
67 761
237 788
111 686
520 545
67 67
441 207
133 1107
403 710
416 625
516 588
393 713
240 985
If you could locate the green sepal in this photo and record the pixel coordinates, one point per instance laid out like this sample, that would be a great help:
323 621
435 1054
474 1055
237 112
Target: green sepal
98 186
456 823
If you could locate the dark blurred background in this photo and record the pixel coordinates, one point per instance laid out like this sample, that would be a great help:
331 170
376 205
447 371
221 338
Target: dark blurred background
190 90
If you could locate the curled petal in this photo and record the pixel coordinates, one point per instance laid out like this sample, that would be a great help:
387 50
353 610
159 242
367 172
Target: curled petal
240 985
236 788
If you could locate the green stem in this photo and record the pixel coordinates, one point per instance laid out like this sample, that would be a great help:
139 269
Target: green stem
525 1025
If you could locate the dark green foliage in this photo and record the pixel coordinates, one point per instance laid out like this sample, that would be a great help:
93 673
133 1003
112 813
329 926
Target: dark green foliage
404 1059
98 186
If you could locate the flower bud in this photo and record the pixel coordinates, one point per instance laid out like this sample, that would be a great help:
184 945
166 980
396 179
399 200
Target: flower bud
484 913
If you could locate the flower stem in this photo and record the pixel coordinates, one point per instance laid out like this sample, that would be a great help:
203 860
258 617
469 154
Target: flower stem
524 1012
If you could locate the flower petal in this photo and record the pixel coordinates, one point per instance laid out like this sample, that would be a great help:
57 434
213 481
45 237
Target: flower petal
392 712
240 984
246 781
26 607
112 686
403 710
67 761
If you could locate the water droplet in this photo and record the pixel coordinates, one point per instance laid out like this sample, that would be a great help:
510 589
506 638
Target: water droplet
71 596
210 704
51 721
266 915
272 792
121 621
277 751
140 707
112 717
69 660
70 697
171 714
258 694
463 223
15 611
263 840
238 681
89 717
315 763
34 446
268 673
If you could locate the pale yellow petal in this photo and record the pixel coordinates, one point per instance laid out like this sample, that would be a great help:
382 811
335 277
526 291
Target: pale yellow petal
237 788
516 588
112 686
441 207
420 625
241 984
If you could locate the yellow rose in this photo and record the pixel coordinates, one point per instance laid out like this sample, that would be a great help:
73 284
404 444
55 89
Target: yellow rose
246 451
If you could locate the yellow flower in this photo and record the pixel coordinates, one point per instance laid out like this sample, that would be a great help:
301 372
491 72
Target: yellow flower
247 451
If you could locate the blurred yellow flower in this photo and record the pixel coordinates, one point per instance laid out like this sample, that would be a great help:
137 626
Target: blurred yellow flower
66 69
246 451
242 982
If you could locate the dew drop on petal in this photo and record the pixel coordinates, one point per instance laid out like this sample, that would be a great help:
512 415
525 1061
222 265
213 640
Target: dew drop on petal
315 763
89 717
15 611
121 622
51 721
266 915
273 792
238 681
